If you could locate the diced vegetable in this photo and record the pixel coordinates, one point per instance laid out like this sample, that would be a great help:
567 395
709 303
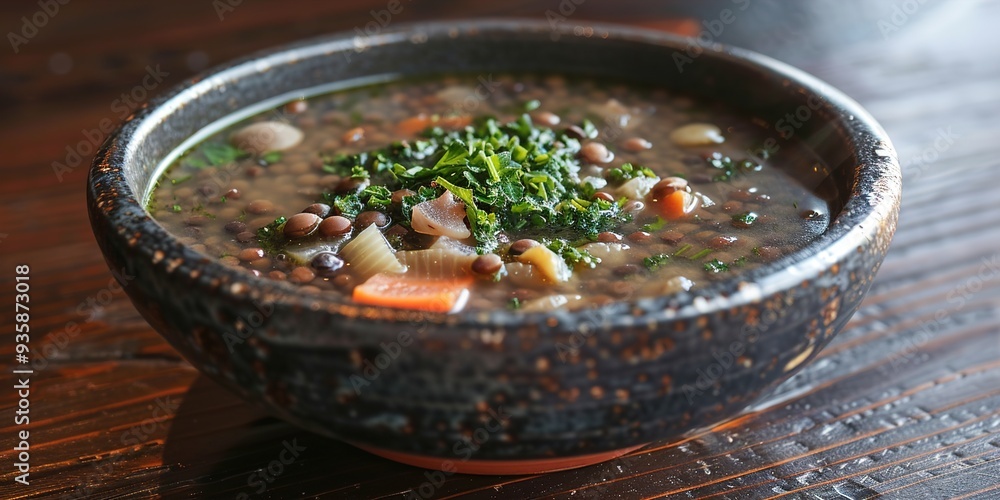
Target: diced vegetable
611 254
548 263
637 188
413 125
442 216
436 263
369 254
676 205
403 292
524 275
452 245
550 302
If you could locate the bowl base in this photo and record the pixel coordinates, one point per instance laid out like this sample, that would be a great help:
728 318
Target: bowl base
497 467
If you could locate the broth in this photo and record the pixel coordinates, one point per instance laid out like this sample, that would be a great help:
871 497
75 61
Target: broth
519 191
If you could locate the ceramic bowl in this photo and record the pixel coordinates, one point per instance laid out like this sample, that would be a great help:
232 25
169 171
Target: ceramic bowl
503 391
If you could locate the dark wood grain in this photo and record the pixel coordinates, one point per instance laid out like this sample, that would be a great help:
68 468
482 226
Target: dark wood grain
905 403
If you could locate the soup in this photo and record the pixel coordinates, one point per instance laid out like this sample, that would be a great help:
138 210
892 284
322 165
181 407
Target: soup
519 191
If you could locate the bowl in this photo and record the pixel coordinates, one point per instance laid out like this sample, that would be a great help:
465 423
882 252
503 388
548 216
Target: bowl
503 391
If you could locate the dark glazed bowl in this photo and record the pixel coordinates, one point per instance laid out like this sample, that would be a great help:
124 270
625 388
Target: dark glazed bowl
503 391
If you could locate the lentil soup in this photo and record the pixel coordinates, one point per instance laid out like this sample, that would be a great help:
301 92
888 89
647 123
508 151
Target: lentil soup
518 191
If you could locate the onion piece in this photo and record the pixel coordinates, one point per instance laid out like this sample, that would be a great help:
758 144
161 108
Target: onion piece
369 254
524 275
443 216
637 188
551 302
436 263
611 254
551 266
452 245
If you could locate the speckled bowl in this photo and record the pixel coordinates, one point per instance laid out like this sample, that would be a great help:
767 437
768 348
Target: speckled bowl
503 392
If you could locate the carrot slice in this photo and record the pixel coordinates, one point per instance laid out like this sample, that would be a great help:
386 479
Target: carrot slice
413 125
414 293
676 205
455 122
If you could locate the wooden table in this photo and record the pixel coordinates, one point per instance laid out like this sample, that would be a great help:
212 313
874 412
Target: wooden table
903 404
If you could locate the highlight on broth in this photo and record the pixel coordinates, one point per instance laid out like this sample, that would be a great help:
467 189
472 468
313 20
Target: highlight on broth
535 193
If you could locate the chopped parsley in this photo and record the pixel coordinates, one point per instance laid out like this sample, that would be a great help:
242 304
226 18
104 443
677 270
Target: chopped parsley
656 225
221 154
657 261
212 154
745 219
271 157
271 237
512 177
626 172
572 255
716 266
702 254
729 168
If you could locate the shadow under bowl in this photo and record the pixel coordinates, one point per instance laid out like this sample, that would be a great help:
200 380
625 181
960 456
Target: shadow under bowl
486 392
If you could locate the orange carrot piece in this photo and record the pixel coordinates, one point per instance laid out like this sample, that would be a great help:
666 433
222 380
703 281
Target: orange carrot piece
413 125
676 205
413 293
455 122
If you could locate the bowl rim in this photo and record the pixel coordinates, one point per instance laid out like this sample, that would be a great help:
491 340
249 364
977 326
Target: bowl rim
873 200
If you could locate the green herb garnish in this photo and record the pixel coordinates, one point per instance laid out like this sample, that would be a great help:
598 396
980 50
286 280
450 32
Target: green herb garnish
627 171
271 237
511 177
745 218
572 255
657 261
730 168
716 266
656 225
701 254
222 154
271 157
180 179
